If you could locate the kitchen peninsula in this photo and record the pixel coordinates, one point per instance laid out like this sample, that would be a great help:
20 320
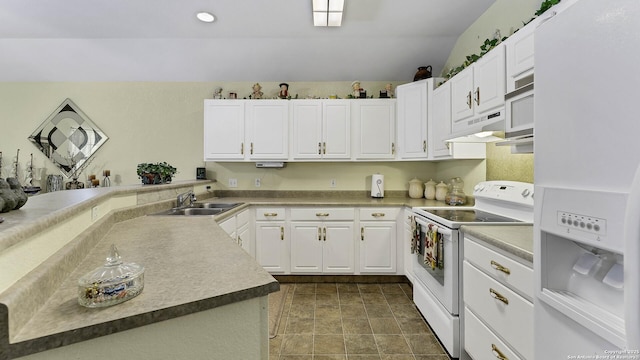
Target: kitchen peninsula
203 295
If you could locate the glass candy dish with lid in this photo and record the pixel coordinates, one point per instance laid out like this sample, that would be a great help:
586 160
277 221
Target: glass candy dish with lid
112 283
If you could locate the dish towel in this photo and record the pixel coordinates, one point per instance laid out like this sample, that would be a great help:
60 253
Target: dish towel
433 249
415 238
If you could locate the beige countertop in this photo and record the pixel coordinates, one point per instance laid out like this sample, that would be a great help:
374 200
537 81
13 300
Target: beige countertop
514 239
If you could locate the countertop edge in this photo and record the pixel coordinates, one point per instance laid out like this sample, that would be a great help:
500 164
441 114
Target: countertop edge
515 239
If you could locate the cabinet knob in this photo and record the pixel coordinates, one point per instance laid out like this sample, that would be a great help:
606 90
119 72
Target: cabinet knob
499 267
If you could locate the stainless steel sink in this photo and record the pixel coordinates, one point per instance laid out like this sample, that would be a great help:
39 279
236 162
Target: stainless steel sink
200 209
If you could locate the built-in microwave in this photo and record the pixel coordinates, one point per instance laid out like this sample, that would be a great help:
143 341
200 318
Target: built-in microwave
519 116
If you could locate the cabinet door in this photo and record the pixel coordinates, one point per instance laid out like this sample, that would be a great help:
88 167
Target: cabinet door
489 80
271 246
519 51
440 121
336 129
267 126
224 130
406 247
375 128
245 240
412 120
338 247
378 247
306 247
307 129
461 96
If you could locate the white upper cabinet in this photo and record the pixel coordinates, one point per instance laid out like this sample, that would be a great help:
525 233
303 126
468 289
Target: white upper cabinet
223 130
268 129
477 90
519 55
412 119
440 121
375 124
321 129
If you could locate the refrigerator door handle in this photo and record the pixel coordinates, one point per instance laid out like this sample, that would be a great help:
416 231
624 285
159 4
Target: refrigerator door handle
632 265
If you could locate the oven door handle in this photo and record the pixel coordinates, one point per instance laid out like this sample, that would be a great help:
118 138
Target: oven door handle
446 232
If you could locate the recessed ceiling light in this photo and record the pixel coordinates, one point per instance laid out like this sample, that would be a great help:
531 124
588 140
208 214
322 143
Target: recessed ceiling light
205 17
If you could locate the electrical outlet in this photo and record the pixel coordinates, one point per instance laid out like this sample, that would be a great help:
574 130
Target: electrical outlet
333 183
233 183
258 182
94 213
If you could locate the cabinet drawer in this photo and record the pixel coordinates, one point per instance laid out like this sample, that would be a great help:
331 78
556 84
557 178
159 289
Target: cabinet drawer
481 343
322 214
504 311
242 218
387 213
501 267
266 214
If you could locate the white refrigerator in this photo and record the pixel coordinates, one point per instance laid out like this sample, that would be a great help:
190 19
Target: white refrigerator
587 182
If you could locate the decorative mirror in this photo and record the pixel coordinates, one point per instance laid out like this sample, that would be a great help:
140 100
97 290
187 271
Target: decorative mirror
68 138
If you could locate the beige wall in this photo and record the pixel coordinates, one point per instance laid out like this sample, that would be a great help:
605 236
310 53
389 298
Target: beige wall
151 122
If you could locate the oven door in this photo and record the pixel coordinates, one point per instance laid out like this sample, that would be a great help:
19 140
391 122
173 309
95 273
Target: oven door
441 282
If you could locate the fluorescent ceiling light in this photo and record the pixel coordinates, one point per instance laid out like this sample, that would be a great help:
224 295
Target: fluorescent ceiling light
205 17
327 12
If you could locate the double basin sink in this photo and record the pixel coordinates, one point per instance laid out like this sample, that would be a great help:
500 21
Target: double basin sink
201 209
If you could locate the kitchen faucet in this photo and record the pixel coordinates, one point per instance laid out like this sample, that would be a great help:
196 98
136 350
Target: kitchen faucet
182 198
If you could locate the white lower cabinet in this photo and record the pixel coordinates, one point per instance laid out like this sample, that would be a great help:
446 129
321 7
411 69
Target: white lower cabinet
407 236
272 240
238 228
378 240
322 240
498 311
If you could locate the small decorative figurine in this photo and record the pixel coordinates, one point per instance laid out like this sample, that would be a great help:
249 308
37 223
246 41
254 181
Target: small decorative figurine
356 88
389 89
257 94
284 91
217 93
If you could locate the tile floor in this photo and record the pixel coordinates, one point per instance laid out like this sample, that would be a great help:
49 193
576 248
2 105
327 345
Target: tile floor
337 321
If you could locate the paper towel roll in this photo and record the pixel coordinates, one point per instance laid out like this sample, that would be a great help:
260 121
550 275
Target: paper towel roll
377 186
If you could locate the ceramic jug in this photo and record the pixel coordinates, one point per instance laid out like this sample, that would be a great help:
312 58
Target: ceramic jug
424 72
415 189
430 190
441 191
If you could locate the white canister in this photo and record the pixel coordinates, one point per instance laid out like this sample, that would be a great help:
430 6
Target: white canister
415 189
430 189
377 186
441 191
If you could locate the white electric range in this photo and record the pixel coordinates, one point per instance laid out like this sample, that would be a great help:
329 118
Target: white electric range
439 252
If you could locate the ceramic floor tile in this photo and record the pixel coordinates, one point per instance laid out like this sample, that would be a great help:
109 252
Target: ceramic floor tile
396 357
398 299
384 326
378 310
373 298
326 289
327 299
328 326
356 326
304 299
328 344
370 288
304 288
405 311
305 311
424 344
274 346
350 298
413 326
331 311
360 344
296 357
330 357
364 357
392 344
348 288
297 344
353 311
297 325
391 288
432 357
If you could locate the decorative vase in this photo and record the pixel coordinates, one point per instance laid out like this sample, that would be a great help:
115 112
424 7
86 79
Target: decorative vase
415 189
151 178
424 72
74 184
430 190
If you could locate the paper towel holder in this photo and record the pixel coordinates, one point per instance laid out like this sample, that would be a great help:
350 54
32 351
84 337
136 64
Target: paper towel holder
377 186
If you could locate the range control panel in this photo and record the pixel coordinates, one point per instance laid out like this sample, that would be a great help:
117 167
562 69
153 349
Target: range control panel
586 223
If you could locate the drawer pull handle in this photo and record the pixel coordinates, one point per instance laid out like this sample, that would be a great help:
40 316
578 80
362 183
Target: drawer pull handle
322 214
377 215
497 353
361 234
319 234
241 148
270 214
319 148
496 295
324 234
282 233
499 267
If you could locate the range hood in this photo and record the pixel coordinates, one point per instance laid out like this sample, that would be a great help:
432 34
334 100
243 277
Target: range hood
481 129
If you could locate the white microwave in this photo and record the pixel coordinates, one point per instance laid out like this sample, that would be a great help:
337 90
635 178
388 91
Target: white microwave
519 109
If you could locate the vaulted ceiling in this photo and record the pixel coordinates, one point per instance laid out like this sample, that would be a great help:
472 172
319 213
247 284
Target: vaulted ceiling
251 40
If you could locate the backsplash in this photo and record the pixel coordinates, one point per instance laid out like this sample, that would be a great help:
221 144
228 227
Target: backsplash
502 165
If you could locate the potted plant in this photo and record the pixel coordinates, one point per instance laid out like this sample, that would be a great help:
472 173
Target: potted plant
158 173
